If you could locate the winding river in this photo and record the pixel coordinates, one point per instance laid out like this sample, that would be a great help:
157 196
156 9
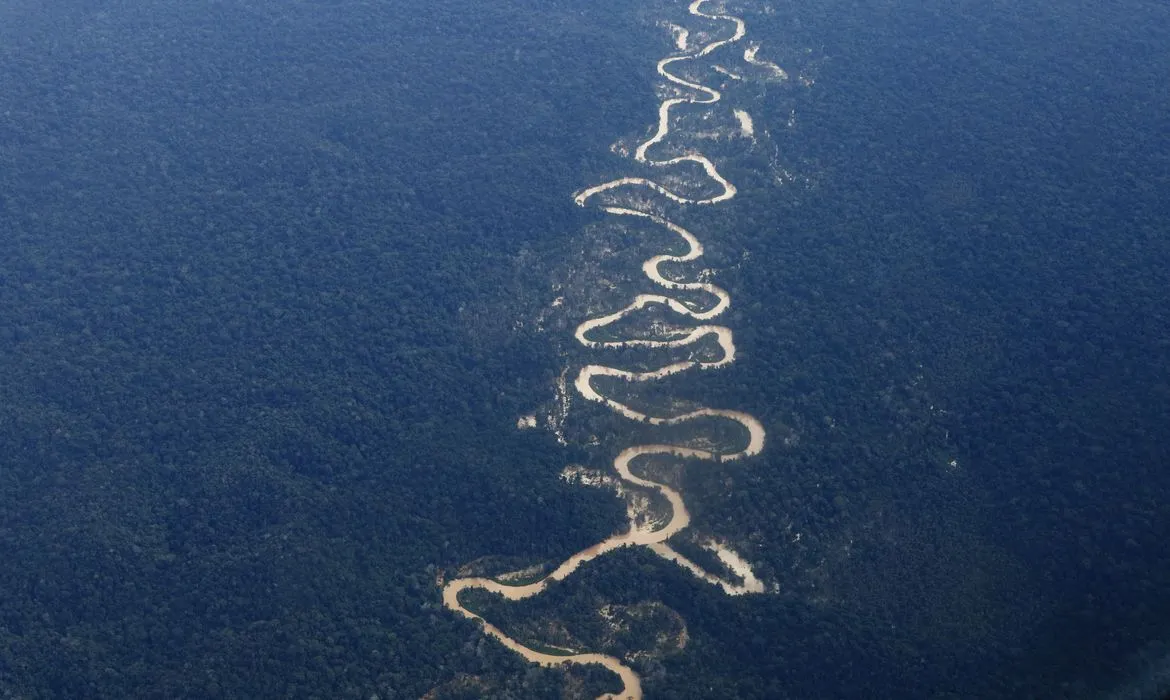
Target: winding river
654 537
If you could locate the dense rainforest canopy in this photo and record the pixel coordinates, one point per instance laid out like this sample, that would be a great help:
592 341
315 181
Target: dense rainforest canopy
277 281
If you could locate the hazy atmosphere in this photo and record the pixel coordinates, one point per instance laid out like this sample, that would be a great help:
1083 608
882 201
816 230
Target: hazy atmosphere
561 349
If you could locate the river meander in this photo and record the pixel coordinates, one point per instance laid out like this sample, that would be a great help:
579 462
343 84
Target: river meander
656 536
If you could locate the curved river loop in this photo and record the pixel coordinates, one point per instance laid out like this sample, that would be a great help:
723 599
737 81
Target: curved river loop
656 536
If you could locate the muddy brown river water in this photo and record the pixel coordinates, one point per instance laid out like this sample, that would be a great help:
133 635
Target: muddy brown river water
655 538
